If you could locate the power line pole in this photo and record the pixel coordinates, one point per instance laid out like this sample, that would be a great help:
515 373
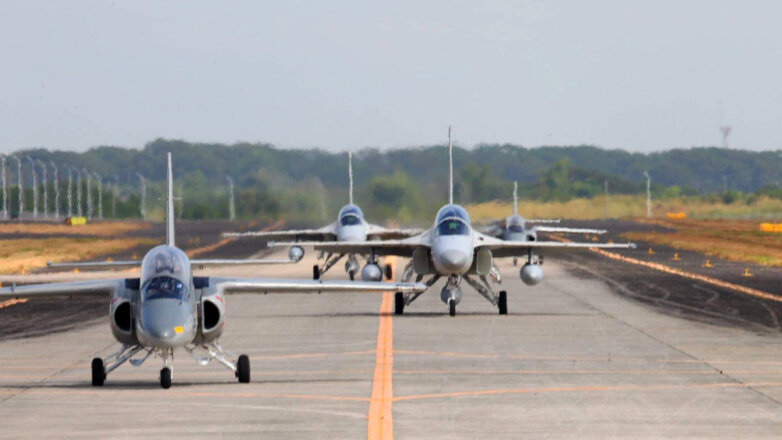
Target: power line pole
45 184
56 191
70 192
231 204
5 191
605 189
648 195
100 196
19 185
143 201
35 187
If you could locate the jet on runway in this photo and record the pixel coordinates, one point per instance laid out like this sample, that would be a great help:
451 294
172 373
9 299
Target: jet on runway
349 227
515 226
451 248
167 307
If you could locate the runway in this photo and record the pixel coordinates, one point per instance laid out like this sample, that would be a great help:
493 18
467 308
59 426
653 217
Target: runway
572 359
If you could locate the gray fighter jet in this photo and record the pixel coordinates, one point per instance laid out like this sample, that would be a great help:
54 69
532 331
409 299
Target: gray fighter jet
349 227
169 308
515 227
451 248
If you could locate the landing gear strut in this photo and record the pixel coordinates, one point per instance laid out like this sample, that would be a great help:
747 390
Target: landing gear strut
318 272
100 370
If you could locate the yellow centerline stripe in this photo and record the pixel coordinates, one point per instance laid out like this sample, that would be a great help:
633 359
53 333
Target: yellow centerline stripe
380 424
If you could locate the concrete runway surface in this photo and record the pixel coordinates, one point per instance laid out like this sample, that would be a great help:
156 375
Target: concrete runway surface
572 360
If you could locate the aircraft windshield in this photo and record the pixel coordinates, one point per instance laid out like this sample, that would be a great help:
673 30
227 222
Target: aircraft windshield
453 226
452 211
515 228
350 209
164 288
350 220
165 260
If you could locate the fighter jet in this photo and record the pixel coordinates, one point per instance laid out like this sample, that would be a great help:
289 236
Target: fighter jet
169 308
452 249
516 228
349 227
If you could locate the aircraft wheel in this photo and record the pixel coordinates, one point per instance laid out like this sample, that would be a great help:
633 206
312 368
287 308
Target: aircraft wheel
452 308
389 272
243 369
165 378
352 275
98 372
399 303
503 302
315 272
515 261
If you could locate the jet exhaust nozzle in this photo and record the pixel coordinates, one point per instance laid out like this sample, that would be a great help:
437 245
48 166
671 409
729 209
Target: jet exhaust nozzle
451 293
371 272
531 274
296 253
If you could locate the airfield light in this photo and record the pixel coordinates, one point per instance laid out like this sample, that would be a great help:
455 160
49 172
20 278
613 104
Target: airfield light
35 187
231 203
648 195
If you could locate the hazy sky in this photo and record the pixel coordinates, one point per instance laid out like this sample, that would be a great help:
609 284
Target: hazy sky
343 75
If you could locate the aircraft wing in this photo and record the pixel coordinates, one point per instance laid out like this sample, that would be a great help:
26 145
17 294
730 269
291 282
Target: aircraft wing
270 285
401 248
501 248
92 287
195 262
569 230
381 233
326 233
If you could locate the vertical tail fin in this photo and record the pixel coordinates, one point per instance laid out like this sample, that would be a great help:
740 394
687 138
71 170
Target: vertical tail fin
350 174
515 199
450 166
170 206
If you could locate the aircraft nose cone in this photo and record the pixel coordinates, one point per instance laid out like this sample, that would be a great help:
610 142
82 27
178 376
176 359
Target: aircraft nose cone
163 322
453 260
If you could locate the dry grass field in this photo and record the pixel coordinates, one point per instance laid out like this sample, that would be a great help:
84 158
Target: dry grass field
623 206
734 240
98 229
22 255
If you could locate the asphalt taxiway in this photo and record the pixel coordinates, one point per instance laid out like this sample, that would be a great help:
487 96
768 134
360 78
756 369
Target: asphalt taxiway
572 359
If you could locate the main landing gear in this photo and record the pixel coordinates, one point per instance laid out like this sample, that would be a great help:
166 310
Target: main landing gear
331 260
499 300
240 367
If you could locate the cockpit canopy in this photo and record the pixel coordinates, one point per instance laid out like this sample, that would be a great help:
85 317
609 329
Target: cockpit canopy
165 261
452 211
452 220
350 215
515 223
164 287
